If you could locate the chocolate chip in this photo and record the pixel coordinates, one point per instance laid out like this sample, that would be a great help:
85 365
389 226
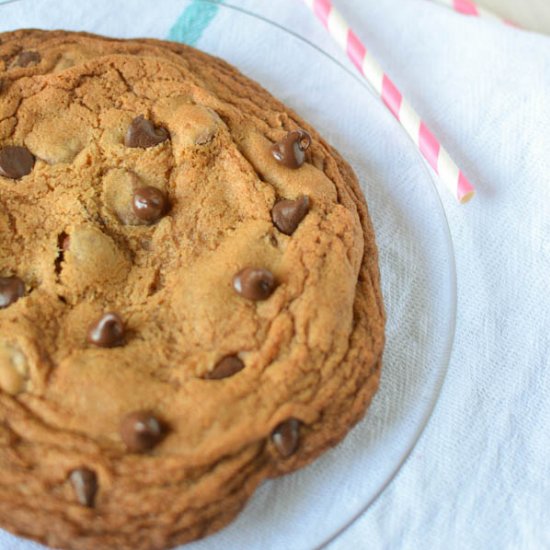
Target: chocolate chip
26 58
84 482
108 331
11 289
15 162
254 283
141 431
143 133
290 151
149 204
286 437
287 214
228 366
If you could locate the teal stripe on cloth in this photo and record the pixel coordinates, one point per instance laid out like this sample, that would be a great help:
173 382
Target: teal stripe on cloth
193 21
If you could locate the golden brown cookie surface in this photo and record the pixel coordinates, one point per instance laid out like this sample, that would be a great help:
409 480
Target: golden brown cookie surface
189 292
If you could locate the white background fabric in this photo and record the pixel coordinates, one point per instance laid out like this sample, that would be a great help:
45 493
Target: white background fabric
479 476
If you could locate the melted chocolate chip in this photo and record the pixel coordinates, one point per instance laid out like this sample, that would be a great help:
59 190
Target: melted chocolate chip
290 151
15 162
141 431
143 133
254 283
84 482
228 366
149 204
107 332
26 58
11 289
286 437
287 214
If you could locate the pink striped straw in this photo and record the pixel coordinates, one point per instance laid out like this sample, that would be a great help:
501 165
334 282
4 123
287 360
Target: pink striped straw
424 139
467 7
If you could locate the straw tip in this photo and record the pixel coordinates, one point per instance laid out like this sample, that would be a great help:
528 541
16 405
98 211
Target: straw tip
467 197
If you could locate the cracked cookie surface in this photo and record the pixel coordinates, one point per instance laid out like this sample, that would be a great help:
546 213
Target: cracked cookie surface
182 313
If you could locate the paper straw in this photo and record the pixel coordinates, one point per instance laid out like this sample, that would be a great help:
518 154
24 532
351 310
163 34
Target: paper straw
467 7
424 139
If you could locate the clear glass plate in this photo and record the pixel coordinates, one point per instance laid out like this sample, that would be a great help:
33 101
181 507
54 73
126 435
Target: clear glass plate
311 507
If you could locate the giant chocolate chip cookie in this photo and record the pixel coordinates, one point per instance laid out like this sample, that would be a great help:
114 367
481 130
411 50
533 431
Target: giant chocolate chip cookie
189 292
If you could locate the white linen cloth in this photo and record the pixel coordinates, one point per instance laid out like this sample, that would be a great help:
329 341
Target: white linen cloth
479 477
